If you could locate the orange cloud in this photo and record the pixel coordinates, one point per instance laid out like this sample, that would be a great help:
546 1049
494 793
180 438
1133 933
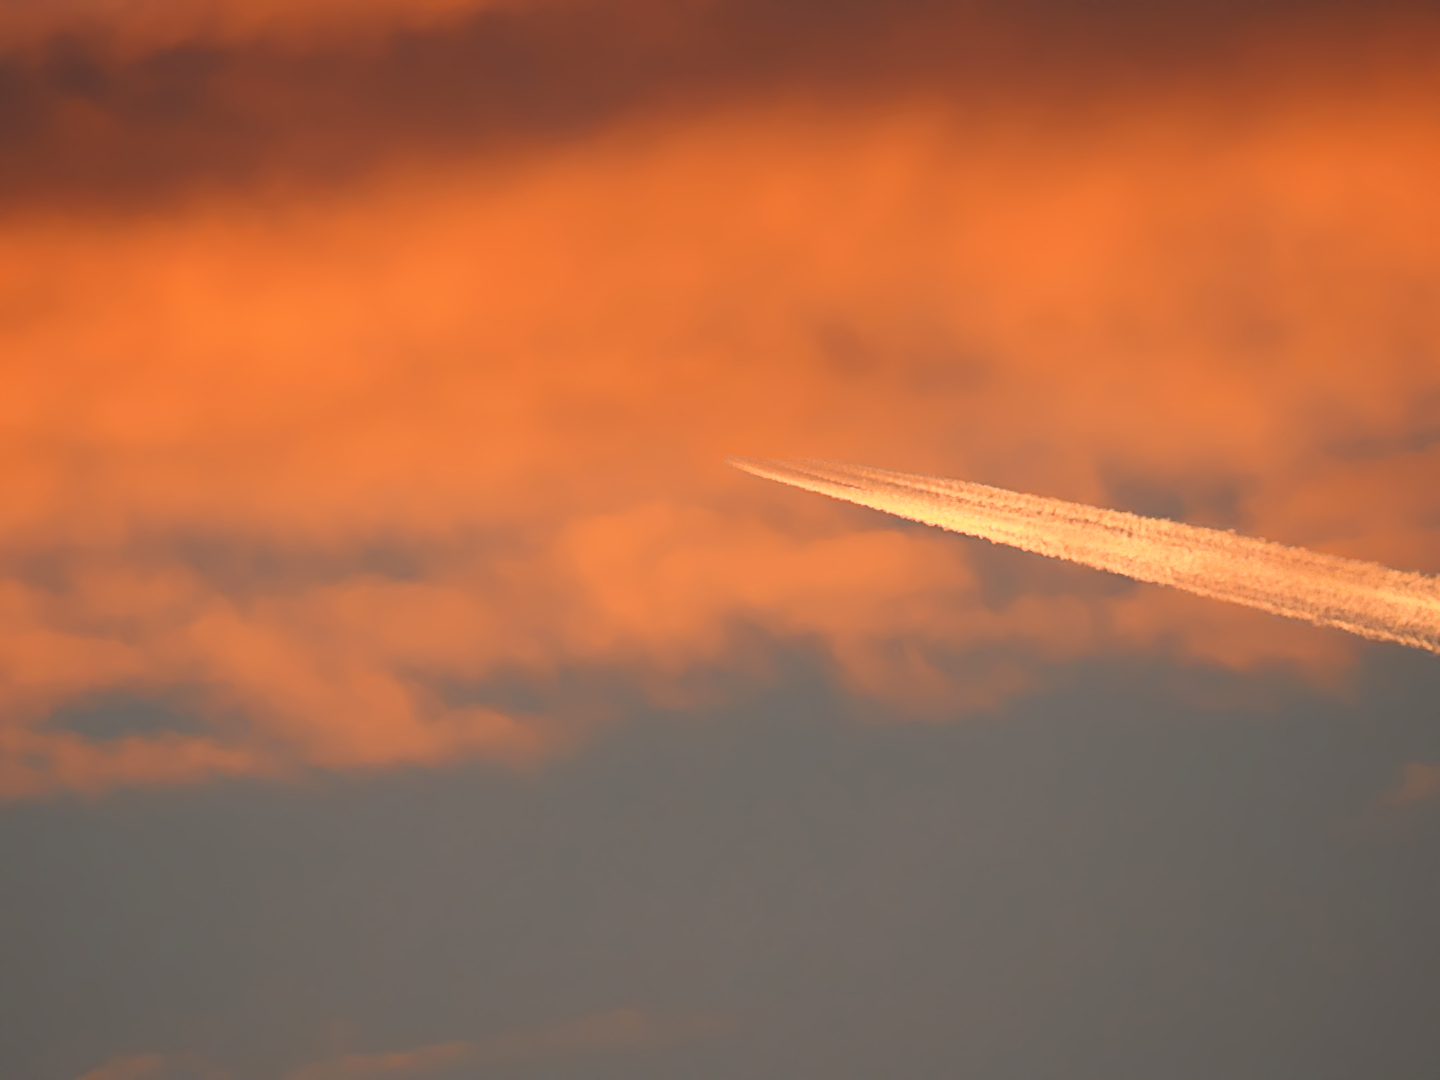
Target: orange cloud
330 467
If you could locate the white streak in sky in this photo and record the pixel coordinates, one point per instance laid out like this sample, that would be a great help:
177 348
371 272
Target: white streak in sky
1364 598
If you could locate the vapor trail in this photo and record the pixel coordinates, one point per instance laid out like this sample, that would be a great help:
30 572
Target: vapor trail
1364 598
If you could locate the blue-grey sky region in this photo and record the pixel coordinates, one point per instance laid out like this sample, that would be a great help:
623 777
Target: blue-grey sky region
1145 871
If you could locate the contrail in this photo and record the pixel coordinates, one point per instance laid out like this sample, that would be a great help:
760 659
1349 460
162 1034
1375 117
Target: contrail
1364 598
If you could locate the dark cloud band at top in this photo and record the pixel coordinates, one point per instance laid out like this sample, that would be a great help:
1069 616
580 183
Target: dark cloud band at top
83 120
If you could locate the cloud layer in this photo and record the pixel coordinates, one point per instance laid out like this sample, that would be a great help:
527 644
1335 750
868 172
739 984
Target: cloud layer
348 427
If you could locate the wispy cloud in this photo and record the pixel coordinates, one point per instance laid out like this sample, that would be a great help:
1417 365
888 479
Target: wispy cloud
415 1061
156 1066
1418 782
129 1067
620 1029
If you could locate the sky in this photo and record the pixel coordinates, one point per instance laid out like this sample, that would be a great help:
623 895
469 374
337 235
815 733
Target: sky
394 680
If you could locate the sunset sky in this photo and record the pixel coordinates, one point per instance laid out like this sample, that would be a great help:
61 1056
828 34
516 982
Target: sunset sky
395 682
